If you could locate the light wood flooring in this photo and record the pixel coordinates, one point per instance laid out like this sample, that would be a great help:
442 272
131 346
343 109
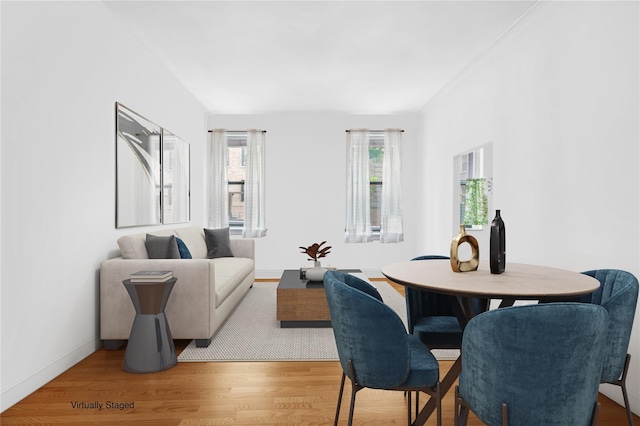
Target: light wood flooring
220 393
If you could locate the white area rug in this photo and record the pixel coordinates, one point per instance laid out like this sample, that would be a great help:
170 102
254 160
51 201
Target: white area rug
252 332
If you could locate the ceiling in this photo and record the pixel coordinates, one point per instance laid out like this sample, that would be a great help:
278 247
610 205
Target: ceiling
363 57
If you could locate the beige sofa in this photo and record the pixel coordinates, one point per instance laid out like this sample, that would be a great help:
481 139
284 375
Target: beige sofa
205 293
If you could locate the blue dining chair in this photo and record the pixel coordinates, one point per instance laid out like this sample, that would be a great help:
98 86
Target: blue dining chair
533 365
374 348
431 317
618 294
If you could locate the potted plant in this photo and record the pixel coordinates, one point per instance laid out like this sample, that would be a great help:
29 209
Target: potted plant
315 252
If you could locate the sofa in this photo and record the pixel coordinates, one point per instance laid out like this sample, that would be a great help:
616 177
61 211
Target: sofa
206 291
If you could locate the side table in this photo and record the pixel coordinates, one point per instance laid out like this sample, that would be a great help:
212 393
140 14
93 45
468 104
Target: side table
150 347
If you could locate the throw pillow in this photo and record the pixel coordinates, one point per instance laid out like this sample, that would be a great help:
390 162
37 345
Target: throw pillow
183 249
159 247
218 243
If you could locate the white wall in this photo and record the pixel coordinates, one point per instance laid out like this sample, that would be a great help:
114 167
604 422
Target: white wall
305 188
559 98
64 65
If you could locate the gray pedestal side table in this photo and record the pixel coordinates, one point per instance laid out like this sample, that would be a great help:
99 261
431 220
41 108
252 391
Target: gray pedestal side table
150 347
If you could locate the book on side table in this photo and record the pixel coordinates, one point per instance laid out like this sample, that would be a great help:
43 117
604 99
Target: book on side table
151 276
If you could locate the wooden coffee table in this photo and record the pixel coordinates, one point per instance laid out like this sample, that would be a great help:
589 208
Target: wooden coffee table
302 303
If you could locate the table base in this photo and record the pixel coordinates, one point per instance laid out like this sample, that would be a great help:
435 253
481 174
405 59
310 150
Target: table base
150 347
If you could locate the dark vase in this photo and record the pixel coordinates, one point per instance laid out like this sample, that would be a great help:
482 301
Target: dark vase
497 250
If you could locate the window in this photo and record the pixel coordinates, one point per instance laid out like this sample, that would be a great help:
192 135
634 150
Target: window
374 186
376 157
236 175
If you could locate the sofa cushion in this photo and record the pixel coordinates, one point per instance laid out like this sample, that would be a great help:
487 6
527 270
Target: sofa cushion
183 249
161 247
229 272
193 237
218 243
132 247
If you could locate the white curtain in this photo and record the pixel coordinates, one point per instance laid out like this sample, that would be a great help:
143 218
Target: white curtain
254 206
217 180
358 221
391 229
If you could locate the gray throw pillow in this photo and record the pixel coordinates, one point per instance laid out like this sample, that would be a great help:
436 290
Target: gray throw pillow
218 243
159 247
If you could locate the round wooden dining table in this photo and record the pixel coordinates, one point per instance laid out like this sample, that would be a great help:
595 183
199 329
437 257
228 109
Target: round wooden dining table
518 282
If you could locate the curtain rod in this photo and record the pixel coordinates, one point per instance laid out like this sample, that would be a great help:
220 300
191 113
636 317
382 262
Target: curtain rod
375 131
237 131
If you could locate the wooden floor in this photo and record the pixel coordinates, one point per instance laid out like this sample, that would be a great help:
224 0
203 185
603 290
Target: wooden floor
97 391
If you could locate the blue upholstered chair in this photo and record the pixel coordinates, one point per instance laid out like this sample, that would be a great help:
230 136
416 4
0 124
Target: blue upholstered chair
618 294
533 365
374 347
431 318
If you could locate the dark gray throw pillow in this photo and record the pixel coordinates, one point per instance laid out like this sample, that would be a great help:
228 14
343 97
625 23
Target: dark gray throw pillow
159 247
218 243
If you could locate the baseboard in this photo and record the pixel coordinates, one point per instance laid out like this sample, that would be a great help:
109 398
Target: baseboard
268 274
15 392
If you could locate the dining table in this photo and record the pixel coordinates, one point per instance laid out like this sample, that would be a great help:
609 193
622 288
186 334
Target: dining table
519 281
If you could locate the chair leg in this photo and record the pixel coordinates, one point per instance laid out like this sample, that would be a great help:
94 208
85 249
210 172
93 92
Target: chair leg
623 384
438 405
456 406
461 413
595 413
505 415
335 423
352 404
626 404
354 389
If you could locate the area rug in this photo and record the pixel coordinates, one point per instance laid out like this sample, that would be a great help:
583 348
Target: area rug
252 332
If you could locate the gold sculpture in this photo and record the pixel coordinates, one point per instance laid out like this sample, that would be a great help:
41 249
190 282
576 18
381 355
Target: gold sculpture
467 265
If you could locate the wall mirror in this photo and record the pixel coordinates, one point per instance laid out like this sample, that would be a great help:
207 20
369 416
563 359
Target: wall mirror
145 194
138 170
473 187
175 179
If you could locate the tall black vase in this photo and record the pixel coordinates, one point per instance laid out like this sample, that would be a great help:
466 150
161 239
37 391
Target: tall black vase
497 250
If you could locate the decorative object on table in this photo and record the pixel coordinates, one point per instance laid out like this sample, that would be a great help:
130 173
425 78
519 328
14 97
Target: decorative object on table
316 273
468 265
304 269
151 276
315 252
497 250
